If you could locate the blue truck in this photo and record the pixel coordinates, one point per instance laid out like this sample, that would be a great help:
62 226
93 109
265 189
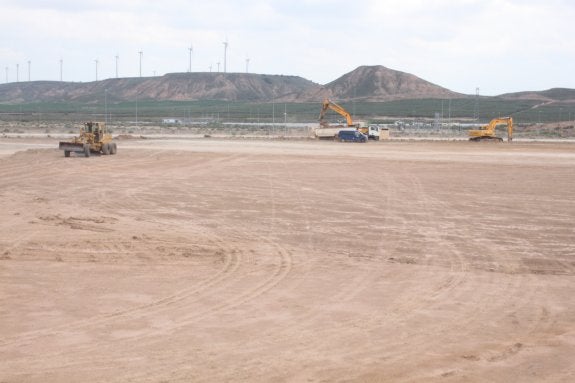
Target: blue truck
351 136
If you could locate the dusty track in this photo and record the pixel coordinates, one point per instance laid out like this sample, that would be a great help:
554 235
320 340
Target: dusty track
207 260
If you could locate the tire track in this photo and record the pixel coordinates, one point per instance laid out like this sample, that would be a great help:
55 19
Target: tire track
231 265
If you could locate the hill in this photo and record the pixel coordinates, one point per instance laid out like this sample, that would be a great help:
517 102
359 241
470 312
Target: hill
366 83
173 86
378 83
553 94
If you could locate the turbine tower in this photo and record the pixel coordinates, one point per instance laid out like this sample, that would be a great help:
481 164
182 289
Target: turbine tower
61 65
117 58
247 65
225 53
17 72
191 49
29 62
96 61
141 53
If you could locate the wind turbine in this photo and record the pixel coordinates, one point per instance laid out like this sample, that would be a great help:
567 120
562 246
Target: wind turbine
117 58
191 49
141 53
96 61
247 65
225 53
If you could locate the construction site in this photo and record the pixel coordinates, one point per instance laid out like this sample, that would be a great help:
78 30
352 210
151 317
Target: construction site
218 242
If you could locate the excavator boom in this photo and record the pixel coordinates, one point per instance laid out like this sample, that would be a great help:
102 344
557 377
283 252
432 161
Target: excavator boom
328 104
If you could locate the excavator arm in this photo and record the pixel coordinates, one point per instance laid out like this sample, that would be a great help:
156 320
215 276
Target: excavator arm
328 104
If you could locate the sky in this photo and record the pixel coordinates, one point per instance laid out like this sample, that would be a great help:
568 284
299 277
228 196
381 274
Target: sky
489 46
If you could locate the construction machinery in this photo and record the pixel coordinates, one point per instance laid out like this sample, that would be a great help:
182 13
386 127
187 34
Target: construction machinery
487 133
326 131
93 138
328 104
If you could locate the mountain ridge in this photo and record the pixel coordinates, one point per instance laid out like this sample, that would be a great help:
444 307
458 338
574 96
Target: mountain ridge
366 83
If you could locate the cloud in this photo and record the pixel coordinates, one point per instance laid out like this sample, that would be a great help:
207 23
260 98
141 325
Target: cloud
459 45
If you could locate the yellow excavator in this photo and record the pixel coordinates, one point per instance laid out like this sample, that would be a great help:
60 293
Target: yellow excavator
487 133
328 104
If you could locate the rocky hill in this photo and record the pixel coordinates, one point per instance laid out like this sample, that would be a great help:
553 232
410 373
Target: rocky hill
378 83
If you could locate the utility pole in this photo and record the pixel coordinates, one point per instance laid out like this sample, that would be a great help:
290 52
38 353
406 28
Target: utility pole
475 111
106 106
141 53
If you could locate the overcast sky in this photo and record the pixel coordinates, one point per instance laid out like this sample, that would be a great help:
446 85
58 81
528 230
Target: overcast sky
498 46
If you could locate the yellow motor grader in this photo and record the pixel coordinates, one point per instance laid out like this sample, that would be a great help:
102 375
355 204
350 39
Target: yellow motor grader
93 138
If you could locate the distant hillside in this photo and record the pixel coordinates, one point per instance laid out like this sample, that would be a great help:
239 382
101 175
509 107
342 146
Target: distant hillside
174 86
378 83
554 94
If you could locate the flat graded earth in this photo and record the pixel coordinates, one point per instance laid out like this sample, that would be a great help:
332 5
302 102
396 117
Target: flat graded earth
274 261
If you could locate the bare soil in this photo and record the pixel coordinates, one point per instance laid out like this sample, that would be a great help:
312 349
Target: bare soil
257 261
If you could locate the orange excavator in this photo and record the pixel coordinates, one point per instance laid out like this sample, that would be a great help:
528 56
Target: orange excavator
487 133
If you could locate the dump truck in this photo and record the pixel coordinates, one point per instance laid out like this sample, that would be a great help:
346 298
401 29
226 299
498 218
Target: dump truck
93 138
487 133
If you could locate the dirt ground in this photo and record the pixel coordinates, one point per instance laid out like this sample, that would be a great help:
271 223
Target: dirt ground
213 260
